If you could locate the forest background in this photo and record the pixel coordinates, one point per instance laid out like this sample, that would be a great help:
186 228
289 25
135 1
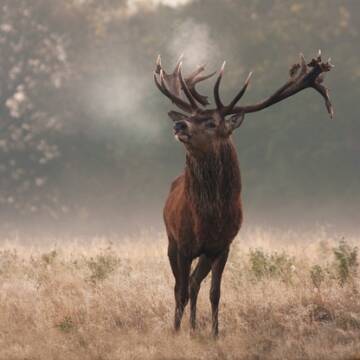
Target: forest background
86 145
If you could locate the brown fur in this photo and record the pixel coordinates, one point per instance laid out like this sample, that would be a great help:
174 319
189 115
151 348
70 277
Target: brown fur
203 215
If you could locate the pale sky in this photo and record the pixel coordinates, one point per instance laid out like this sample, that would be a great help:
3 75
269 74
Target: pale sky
172 3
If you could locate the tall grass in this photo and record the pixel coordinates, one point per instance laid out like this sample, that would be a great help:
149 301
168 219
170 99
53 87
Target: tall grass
284 296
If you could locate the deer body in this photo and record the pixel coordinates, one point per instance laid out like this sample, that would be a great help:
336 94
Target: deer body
203 212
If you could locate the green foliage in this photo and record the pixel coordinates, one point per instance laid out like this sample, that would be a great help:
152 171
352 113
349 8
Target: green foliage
317 275
48 258
346 262
258 263
102 266
66 325
273 265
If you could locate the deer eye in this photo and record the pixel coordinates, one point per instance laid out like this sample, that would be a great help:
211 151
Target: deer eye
210 125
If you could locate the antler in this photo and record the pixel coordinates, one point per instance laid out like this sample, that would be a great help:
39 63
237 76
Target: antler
221 107
172 85
302 76
194 79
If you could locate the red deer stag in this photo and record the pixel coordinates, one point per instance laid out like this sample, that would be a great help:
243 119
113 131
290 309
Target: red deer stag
203 211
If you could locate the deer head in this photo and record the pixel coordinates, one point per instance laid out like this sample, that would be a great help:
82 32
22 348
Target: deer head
200 128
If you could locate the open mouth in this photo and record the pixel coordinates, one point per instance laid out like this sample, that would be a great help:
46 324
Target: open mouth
182 137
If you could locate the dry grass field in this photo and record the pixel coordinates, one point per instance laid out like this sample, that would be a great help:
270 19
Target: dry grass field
285 296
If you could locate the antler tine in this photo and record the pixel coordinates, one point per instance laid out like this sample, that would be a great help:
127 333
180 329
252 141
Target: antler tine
195 73
319 55
175 86
303 66
309 76
158 65
324 92
178 65
158 85
204 77
176 100
241 92
329 63
186 89
218 101
181 103
171 80
194 79
172 86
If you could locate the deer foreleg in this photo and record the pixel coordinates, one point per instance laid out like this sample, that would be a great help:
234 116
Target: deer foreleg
203 267
217 270
181 288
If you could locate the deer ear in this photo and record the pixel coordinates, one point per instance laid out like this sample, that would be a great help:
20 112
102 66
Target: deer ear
176 116
235 121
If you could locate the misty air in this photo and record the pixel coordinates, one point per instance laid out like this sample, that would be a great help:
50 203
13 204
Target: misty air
179 179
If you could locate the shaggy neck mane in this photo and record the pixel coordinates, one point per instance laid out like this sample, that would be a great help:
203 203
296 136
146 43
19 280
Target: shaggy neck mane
212 181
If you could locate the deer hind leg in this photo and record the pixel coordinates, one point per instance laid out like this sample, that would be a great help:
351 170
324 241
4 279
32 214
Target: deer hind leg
180 267
216 272
202 269
172 254
181 288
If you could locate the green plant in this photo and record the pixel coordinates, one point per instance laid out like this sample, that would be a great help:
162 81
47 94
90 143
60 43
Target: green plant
274 265
259 263
317 275
346 262
101 266
48 258
66 325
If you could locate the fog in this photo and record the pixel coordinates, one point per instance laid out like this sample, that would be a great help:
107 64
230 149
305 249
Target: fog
86 144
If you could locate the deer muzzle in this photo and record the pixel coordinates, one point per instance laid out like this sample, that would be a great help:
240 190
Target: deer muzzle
181 131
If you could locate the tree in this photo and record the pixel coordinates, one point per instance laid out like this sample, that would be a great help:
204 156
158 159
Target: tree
33 67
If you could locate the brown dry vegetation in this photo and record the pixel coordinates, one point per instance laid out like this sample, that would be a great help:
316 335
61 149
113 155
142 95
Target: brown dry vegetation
282 299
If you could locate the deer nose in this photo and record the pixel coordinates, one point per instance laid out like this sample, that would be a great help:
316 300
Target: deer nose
180 125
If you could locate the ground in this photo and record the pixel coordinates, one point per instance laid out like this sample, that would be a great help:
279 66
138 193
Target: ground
111 298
